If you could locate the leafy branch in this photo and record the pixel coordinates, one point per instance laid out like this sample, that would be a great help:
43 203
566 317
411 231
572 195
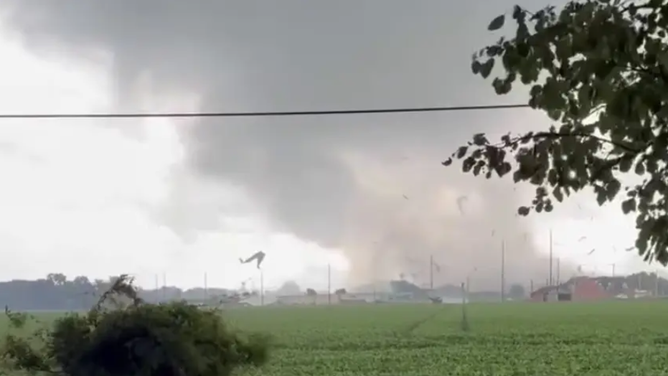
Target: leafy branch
599 69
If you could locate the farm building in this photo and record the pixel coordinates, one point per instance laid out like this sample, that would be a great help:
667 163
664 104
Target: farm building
575 289
348 298
319 299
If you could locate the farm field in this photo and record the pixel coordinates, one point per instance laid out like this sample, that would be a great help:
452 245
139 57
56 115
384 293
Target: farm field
556 339
612 338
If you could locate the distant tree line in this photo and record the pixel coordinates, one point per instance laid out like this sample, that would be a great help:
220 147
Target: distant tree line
56 292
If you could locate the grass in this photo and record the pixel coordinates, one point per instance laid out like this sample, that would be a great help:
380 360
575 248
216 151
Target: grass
555 339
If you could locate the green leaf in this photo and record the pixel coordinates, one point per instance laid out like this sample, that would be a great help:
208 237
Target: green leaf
477 168
601 195
479 139
486 68
476 66
628 205
468 164
612 189
558 195
461 152
503 169
497 23
625 165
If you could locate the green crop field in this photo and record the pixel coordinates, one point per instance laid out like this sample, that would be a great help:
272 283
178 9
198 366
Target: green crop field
552 339
614 338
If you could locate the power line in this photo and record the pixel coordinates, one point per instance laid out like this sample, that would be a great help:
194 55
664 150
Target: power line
261 114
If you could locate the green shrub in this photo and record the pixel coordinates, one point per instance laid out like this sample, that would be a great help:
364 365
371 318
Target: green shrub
174 339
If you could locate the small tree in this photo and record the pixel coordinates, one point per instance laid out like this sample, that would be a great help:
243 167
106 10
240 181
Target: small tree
311 292
599 69
289 288
340 291
127 337
516 291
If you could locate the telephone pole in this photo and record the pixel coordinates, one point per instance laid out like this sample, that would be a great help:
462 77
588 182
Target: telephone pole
329 284
551 255
431 272
261 288
503 271
206 286
157 289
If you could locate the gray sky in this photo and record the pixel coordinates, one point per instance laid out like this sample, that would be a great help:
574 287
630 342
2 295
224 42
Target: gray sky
336 181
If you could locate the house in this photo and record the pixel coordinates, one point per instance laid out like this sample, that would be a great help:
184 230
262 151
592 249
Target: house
575 289
552 294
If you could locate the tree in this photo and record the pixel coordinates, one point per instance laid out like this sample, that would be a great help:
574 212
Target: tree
311 292
516 291
81 281
599 70
340 291
173 339
289 288
58 279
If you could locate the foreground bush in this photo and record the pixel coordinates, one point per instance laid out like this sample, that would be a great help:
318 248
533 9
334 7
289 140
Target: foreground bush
173 339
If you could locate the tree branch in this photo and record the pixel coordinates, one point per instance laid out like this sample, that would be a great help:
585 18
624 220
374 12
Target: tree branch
553 135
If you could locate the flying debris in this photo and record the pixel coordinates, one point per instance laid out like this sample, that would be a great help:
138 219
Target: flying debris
582 238
460 203
629 249
493 232
259 256
592 251
406 197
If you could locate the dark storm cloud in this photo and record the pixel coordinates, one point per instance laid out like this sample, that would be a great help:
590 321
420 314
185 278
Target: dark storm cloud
368 184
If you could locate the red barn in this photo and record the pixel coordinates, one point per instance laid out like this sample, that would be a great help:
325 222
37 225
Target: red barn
587 289
576 289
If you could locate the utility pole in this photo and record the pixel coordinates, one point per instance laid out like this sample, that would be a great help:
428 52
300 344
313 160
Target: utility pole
157 289
329 284
551 255
431 272
558 270
261 288
503 271
206 287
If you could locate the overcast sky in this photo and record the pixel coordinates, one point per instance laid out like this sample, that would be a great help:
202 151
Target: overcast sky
364 193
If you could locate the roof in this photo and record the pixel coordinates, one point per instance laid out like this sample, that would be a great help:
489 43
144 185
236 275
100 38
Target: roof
564 287
544 290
